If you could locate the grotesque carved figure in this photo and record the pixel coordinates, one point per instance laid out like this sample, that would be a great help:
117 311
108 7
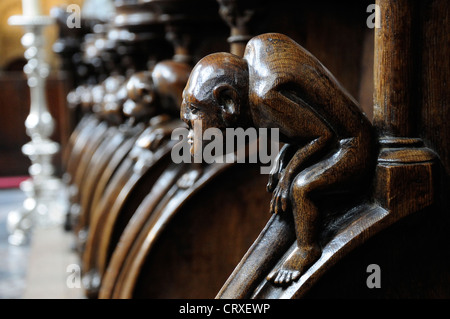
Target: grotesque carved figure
329 142
141 97
156 91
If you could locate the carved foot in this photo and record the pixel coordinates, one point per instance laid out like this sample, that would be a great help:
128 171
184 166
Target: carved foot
295 265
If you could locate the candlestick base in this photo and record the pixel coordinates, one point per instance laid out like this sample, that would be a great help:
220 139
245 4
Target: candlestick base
44 207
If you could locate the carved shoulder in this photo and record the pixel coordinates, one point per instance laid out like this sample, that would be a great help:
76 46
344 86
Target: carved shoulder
278 64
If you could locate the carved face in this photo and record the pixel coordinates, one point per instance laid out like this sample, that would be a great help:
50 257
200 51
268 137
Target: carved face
113 99
217 93
141 96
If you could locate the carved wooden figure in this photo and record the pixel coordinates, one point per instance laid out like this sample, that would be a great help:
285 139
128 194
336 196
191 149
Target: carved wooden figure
330 143
108 98
139 41
133 102
156 94
137 109
85 138
403 184
168 210
148 157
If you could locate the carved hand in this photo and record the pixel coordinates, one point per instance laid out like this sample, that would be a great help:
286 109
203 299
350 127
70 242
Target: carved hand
280 163
274 176
280 198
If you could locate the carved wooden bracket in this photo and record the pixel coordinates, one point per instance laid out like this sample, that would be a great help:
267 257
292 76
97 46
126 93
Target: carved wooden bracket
333 150
404 184
404 181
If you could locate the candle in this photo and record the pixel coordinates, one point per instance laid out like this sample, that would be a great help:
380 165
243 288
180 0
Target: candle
31 8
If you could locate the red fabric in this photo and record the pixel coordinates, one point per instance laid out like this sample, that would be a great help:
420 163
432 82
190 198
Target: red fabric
12 181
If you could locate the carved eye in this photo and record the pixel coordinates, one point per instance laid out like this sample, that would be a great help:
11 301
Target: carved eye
194 109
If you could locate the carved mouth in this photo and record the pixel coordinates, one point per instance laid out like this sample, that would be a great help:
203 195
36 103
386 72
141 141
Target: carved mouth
191 141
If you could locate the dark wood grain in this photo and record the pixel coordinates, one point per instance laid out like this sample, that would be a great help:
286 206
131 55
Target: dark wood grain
394 71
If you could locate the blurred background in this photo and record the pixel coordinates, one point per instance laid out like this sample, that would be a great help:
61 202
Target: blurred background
14 108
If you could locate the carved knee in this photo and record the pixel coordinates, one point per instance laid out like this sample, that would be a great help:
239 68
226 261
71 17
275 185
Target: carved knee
301 187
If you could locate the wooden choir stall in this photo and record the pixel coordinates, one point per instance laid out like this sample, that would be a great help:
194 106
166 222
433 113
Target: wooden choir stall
358 180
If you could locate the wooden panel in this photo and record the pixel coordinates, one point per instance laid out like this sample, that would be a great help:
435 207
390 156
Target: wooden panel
435 97
336 33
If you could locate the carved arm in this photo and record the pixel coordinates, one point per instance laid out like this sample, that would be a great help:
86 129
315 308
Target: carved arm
303 154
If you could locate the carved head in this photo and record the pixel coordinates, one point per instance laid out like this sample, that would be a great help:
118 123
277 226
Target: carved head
113 99
156 91
141 96
217 93
170 78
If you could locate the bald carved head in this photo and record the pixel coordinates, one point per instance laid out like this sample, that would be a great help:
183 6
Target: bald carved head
217 92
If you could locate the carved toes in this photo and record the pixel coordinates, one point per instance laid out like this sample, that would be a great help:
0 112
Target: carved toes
283 277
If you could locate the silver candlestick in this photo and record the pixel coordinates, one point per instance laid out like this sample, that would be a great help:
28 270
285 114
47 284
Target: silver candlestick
45 204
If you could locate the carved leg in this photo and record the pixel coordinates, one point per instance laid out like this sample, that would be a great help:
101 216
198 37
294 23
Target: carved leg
342 172
306 216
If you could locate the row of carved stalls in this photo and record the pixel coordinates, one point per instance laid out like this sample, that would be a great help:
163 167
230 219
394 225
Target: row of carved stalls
147 227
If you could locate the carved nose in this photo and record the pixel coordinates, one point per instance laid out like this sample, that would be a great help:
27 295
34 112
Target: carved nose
185 114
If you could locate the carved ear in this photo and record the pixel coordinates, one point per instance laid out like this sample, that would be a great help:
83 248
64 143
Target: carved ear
227 98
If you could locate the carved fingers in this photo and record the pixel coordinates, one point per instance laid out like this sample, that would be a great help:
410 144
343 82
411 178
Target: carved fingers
280 198
273 181
274 175
279 165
